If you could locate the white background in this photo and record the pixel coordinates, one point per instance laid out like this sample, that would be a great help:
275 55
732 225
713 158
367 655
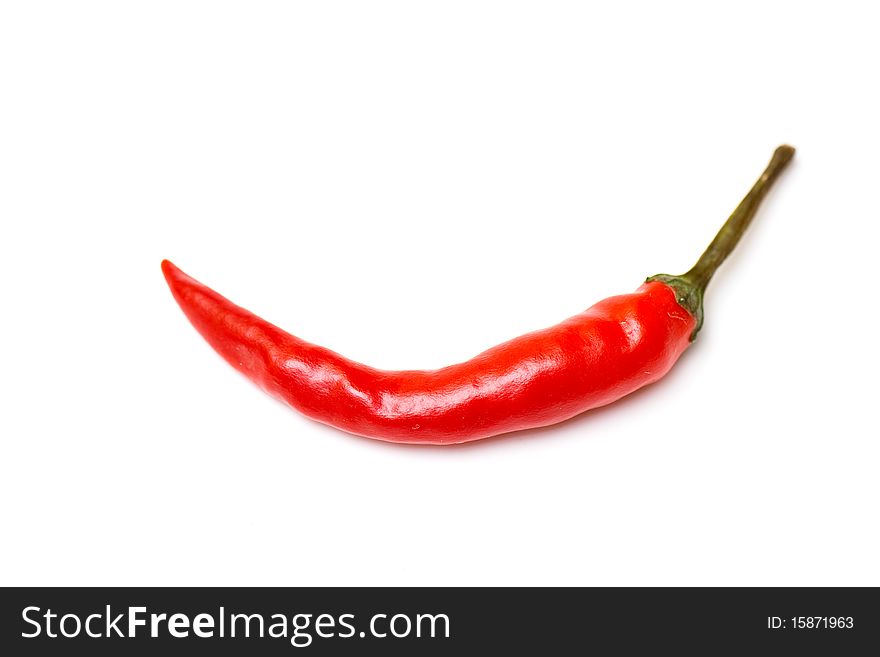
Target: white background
408 184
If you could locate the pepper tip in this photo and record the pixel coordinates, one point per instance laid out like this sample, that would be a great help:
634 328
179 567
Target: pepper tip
169 270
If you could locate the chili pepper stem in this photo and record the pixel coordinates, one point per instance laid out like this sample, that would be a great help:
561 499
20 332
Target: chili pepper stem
691 285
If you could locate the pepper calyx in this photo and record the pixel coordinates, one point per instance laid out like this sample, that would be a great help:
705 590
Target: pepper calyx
688 294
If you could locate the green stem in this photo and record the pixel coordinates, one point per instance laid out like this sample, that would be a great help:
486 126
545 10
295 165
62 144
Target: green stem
690 286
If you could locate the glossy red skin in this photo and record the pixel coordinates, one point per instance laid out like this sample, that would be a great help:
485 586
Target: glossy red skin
541 378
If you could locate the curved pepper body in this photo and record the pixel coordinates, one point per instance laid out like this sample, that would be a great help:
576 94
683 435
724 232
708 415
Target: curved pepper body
541 378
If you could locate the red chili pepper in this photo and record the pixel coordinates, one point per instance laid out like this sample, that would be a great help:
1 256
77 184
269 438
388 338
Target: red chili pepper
541 378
